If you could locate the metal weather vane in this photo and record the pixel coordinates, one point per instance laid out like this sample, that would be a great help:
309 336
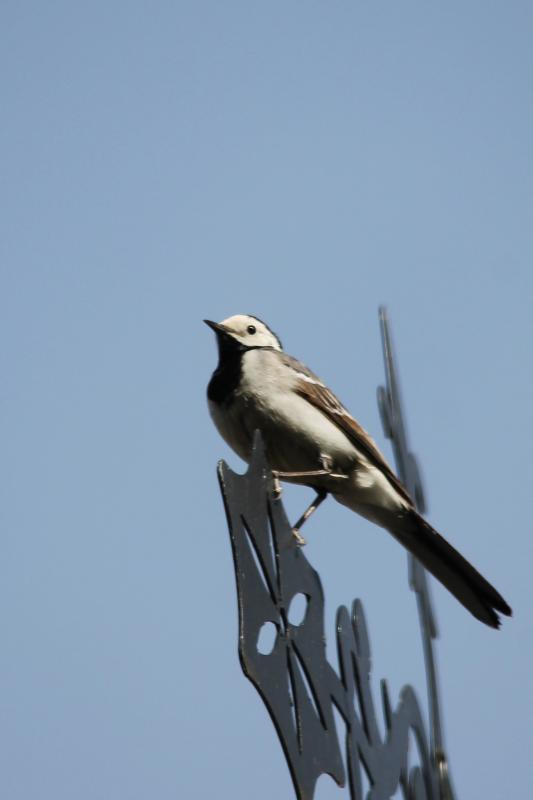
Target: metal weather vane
390 407
298 685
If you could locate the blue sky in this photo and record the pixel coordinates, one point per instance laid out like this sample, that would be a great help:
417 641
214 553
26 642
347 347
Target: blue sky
304 162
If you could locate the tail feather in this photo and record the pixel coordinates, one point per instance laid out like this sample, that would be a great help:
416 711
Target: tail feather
449 567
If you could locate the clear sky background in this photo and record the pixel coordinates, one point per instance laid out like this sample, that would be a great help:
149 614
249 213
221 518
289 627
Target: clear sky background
304 162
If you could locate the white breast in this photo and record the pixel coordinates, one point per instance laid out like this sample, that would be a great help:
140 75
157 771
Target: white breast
297 433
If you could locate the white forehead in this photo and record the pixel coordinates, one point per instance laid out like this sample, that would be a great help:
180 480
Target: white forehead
239 324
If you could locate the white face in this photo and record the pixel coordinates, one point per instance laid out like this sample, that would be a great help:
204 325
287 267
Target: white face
251 331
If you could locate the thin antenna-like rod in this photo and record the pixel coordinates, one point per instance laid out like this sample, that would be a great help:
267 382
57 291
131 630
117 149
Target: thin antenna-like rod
390 407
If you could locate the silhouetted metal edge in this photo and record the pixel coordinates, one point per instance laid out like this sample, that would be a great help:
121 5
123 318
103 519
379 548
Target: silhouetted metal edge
394 427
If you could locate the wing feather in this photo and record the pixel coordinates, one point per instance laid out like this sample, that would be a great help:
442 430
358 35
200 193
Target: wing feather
311 388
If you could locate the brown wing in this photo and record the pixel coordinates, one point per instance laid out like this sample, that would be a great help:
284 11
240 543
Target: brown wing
322 398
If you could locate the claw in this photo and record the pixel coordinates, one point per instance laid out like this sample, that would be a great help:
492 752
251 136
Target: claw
300 541
276 489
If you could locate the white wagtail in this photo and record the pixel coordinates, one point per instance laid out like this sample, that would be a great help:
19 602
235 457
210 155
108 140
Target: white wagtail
311 439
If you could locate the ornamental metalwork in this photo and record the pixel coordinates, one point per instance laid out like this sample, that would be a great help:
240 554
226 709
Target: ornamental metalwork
300 688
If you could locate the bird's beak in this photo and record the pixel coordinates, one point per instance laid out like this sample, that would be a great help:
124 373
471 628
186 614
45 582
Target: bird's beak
213 325
217 327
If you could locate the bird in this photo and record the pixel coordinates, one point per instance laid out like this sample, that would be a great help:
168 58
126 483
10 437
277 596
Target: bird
311 439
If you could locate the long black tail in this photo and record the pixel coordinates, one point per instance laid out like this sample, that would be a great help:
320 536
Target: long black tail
449 567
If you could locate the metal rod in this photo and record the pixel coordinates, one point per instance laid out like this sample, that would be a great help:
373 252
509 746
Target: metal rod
390 406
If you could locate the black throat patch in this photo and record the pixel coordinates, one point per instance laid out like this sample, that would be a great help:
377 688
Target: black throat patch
227 375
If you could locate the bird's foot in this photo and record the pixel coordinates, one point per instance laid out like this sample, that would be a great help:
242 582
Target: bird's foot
300 541
321 496
276 489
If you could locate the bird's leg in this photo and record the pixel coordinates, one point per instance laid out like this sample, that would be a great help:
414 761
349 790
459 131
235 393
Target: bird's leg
327 464
327 467
320 497
313 473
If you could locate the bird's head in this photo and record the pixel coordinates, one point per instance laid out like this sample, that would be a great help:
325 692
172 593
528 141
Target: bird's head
243 331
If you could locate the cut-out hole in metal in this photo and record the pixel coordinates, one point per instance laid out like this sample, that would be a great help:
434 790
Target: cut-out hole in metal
267 638
297 609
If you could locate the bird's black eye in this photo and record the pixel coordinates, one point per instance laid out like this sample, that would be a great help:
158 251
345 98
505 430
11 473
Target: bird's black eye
251 329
